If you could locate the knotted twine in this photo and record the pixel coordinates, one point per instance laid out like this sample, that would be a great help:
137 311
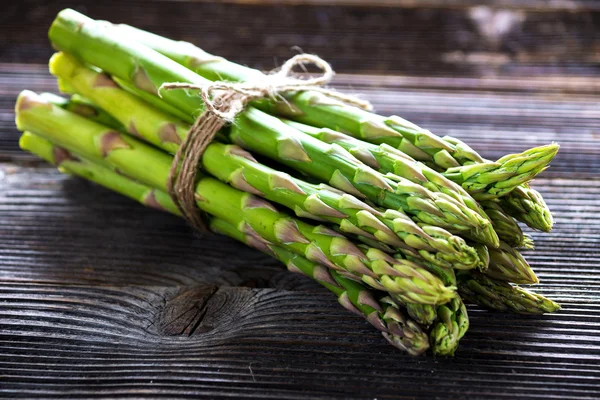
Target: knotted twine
223 101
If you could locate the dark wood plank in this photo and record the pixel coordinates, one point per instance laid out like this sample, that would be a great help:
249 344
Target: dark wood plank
100 297
86 341
539 5
457 38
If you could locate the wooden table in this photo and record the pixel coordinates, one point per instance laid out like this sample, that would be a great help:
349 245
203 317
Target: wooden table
100 297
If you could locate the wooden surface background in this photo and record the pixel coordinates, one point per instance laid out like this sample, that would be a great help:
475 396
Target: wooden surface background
100 297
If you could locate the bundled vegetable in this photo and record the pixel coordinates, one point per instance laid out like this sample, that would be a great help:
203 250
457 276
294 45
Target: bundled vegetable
385 211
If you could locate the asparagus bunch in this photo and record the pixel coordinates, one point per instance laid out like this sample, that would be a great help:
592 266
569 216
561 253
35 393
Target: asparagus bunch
422 206
380 311
444 335
65 32
239 168
98 44
460 162
148 165
384 314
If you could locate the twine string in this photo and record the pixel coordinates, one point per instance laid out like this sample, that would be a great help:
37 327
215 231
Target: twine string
225 100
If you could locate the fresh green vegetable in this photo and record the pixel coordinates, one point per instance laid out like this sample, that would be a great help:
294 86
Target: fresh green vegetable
502 296
239 168
99 45
151 166
381 312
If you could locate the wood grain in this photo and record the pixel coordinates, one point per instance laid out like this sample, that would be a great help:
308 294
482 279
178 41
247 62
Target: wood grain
100 297
538 5
457 38
91 304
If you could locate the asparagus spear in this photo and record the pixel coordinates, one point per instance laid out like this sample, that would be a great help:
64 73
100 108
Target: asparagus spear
508 264
390 161
499 295
71 164
237 167
527 205
382 314
451 320
82 106
489 180
151 166
452 324
484 181
100 46
493 179
506 227
426 314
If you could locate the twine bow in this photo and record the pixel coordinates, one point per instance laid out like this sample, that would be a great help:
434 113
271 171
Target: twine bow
223 101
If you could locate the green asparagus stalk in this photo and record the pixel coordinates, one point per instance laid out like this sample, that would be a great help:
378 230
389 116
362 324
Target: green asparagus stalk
492 179
451 319
82 106
151 166
237 167
98 45
502 296
424 314
390 161
452 324
508 264
527 205
506 227
382 314
70 164
485 181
